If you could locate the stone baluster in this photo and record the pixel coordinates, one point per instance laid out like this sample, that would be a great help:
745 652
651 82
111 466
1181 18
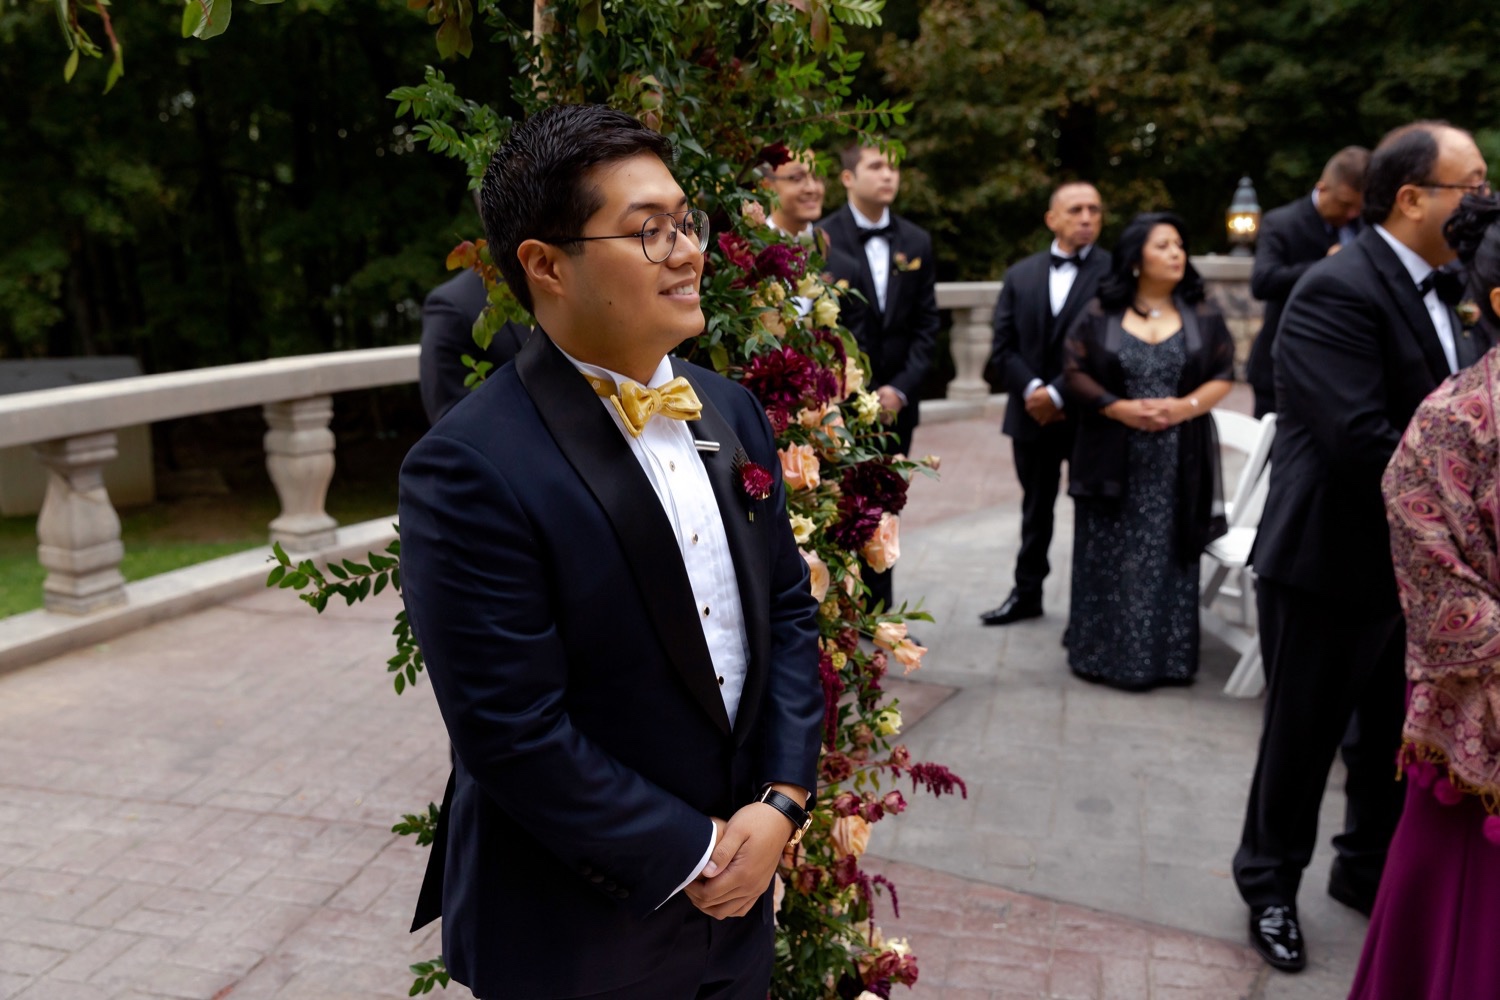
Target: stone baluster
299 457
969 343
77 529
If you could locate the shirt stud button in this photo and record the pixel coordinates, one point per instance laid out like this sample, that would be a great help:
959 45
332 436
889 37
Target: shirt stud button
672 466
721 682
695 538
705 611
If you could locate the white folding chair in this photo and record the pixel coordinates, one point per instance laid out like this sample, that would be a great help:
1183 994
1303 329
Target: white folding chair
1227 573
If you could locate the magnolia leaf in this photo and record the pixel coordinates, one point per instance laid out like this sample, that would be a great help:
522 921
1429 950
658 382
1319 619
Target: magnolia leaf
192 17
448 38
591 17
217 20
116 69
70 67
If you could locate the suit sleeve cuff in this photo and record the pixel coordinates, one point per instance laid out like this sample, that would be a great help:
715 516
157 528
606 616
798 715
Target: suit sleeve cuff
713 840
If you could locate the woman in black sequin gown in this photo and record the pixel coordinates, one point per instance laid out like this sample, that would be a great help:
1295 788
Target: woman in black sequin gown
1145 365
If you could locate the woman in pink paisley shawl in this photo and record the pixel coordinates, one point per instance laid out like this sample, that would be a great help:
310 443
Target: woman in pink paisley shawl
1435 930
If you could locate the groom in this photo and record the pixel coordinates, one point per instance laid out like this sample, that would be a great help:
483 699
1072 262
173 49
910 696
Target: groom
615 617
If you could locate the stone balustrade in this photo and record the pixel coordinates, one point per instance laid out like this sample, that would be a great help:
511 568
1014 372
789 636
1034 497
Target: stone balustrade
73 432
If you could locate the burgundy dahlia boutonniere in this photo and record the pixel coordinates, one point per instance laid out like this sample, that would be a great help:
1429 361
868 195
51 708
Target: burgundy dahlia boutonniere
755 480
1468 313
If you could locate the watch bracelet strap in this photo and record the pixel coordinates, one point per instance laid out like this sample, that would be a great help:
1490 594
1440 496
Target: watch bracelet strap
788 807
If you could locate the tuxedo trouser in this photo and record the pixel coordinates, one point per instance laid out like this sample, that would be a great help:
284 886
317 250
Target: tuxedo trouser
714 960
1039 464
1332 668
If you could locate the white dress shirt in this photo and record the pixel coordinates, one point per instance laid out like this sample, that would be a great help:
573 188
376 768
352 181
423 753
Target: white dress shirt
1059 283
877 251
669 457
1419 269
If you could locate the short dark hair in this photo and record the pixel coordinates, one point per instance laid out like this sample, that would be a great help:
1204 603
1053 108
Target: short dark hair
1348 166
1118 289
537 185
1474 232
1406 155
851 154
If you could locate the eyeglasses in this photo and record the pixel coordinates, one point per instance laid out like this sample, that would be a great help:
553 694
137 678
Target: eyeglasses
796 177
1479 187
658 234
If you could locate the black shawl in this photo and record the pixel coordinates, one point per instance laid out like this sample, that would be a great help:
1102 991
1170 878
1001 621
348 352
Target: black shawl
1093 379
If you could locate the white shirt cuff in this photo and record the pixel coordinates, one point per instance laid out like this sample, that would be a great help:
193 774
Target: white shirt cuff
713 840
1032 386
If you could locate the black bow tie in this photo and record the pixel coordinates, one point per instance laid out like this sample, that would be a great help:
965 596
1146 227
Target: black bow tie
1058 260
1449 286
866 235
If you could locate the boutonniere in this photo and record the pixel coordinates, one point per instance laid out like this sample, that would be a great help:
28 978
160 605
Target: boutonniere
755 480
1468 313
903 264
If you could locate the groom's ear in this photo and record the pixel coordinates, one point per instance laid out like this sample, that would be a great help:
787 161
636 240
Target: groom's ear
544 265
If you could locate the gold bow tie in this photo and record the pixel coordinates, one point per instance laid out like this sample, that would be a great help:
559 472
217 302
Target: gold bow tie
637 404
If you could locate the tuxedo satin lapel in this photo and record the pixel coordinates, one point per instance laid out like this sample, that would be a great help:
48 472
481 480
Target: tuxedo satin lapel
1409 305
895 280
593 445
747 546
1082 291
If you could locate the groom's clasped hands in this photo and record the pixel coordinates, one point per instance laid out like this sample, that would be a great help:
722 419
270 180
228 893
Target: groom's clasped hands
743 860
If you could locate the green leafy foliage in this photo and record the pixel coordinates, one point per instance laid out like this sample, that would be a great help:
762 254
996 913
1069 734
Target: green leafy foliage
429 976
423 826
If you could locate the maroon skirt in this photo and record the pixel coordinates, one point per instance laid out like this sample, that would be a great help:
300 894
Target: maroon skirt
1435 931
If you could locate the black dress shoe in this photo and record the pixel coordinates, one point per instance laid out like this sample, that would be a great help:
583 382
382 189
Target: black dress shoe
1276 935
1015 608
1350 891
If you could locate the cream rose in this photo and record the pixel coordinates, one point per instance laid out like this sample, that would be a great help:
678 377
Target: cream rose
854 376
889 635
851 579
909 655
802 527
850 836
884 547
825 311
809 287
818 576
799 466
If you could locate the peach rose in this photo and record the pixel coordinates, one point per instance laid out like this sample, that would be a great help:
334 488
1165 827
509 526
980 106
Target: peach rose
754 213
770 320
851 579
909 654
799 466
889 635
818 575
850 836
884 547
812 417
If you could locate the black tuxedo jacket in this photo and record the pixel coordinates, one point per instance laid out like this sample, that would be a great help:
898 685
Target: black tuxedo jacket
1292 239
901 338
1029 339
1355 354
448 317
546 590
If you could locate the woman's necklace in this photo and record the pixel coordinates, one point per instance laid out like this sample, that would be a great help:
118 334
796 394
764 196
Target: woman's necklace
1149 312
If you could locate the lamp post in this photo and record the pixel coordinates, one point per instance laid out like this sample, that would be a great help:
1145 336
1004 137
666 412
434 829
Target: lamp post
1243 219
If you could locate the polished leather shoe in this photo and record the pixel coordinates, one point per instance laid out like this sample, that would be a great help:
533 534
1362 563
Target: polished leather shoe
1350 891
1276 935
1015 608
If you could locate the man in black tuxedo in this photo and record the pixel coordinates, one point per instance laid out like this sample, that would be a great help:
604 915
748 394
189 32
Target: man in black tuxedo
889 261
448 316
1365 336
1292 239
619 632
1039 300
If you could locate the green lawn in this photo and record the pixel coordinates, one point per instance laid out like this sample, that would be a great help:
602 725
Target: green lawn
172 534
